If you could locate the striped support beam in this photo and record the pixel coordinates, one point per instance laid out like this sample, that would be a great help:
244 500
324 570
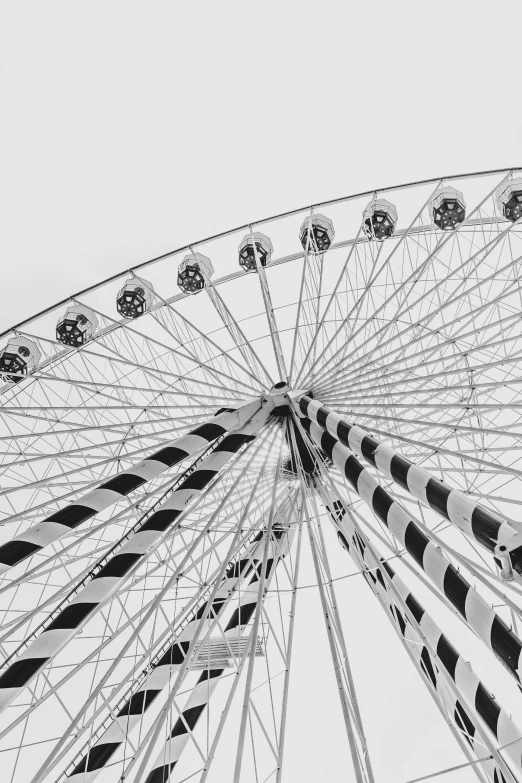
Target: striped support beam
469 604
476 521
111 576
199 698
165 667
185 724
475 711
68 518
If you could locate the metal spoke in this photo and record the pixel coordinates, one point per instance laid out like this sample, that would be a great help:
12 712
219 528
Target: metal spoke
395 425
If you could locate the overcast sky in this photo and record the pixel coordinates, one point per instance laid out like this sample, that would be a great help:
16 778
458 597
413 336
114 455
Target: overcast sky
131 128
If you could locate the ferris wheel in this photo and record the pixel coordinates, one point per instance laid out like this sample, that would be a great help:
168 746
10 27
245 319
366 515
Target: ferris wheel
193 449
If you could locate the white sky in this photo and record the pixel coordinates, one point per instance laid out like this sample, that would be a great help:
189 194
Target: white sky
128 129
131 128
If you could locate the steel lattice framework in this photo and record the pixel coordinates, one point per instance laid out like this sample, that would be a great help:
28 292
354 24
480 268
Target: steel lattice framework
182 470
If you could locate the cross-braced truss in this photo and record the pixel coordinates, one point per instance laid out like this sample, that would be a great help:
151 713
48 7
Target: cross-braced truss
191 501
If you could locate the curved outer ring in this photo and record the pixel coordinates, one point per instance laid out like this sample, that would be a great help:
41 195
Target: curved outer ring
248 226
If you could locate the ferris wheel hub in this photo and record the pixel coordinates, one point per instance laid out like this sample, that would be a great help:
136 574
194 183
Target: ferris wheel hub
278 398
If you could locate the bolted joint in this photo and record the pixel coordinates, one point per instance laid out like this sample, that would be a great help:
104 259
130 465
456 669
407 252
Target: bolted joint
503 555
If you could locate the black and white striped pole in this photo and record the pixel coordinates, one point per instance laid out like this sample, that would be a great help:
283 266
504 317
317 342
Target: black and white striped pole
135 550
190 560
474 712
496 534
470 605
166 666
61 522
277 546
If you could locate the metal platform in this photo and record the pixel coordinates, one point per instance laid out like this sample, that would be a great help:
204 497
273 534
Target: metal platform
218 653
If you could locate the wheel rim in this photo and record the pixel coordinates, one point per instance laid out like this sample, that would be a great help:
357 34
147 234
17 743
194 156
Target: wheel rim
415 338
